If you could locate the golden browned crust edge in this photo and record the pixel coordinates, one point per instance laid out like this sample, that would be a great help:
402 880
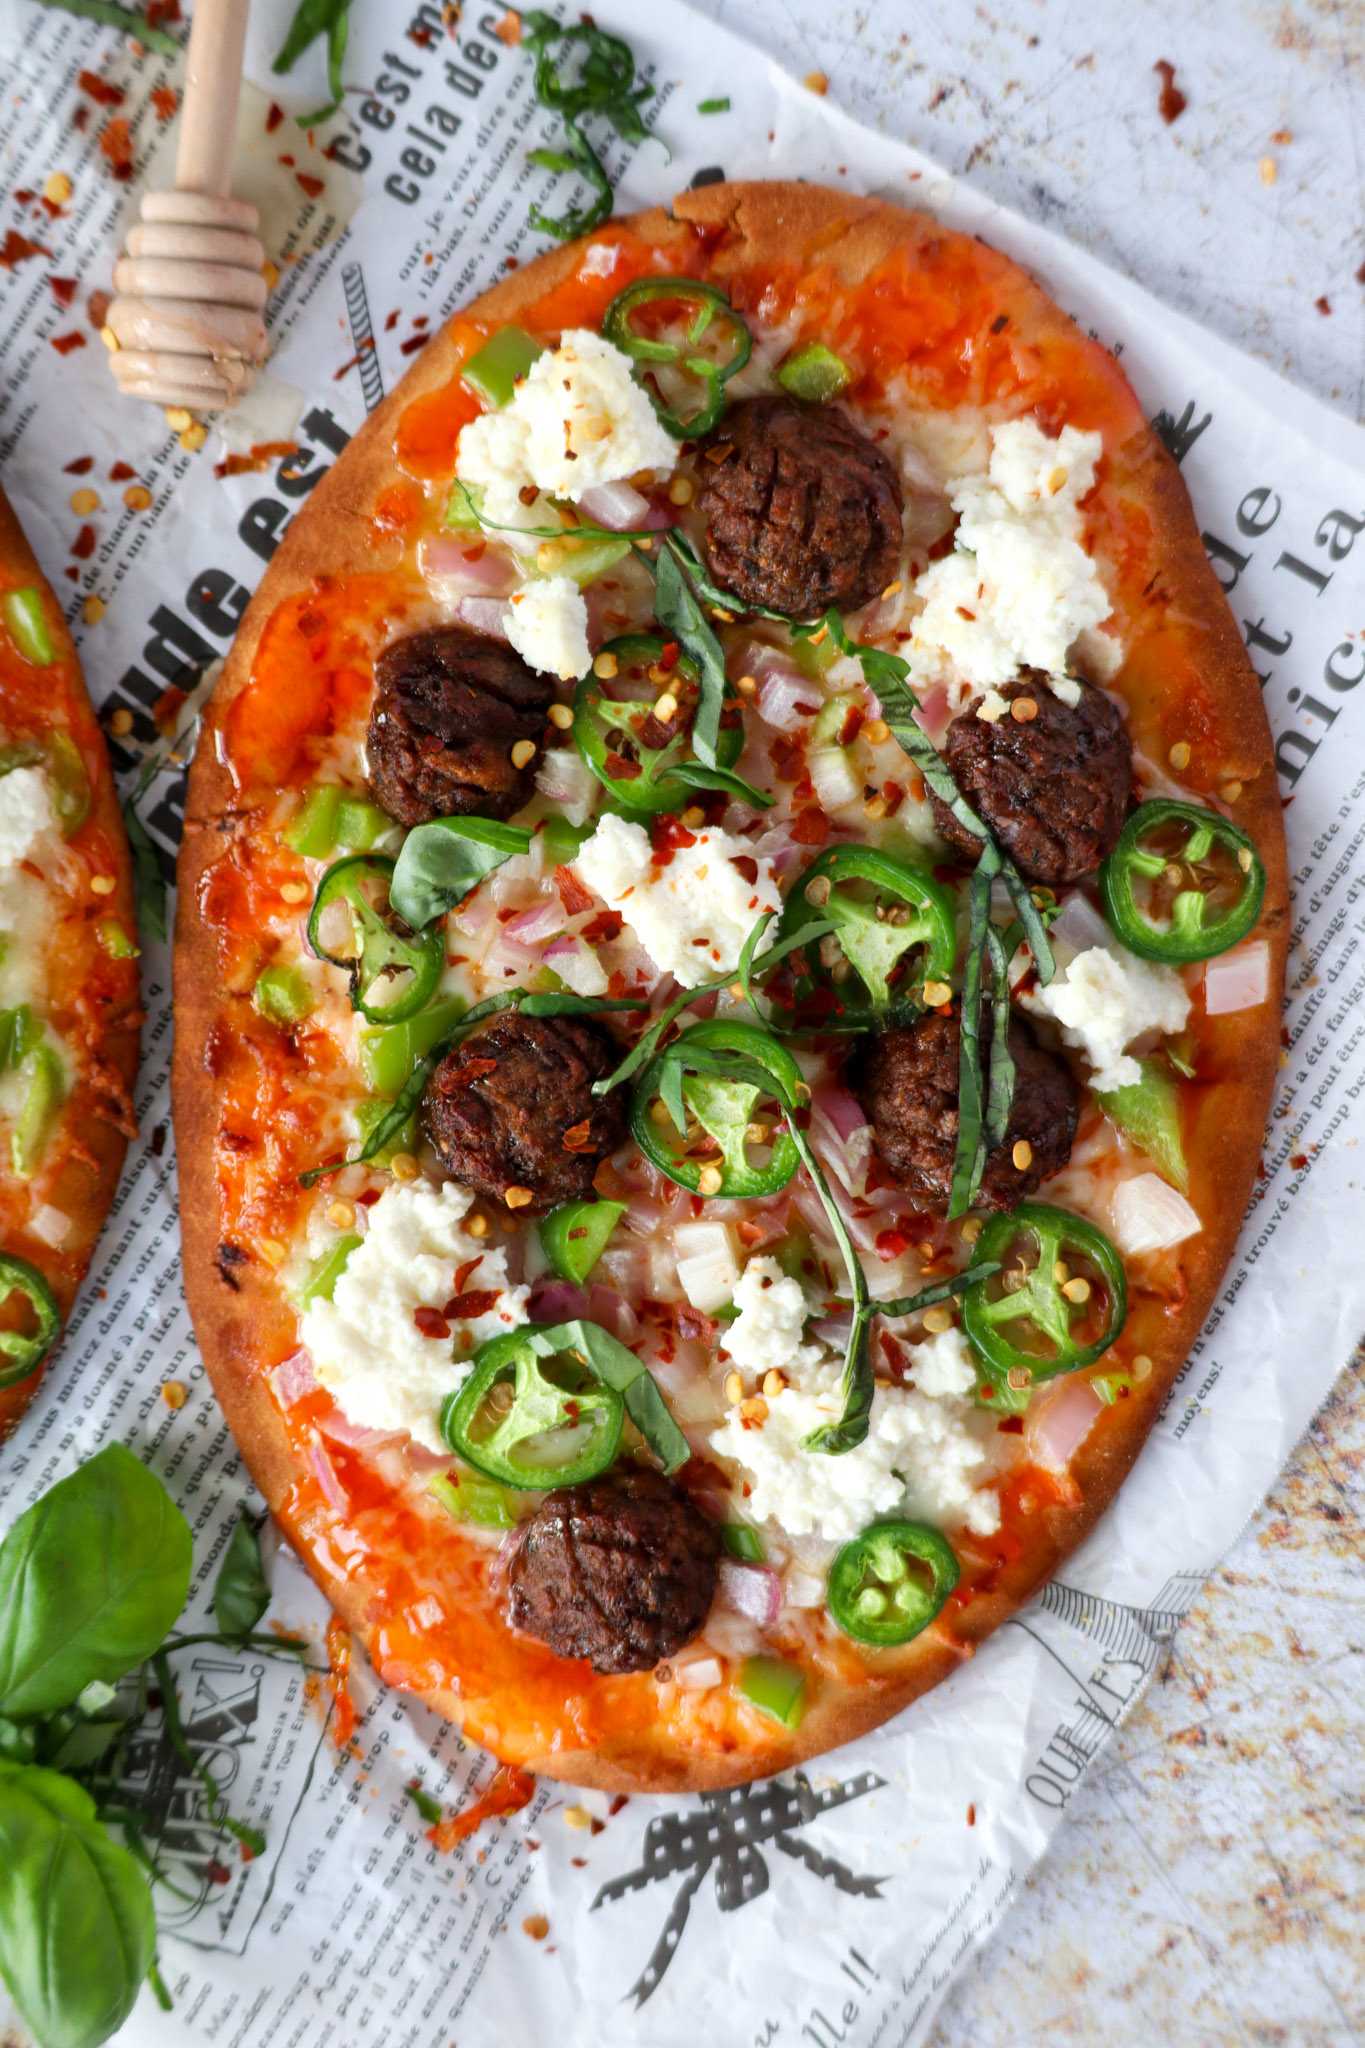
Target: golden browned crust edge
94 1193
331 536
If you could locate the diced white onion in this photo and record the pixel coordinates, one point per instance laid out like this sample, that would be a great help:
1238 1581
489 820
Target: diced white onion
1062 1422
802 1588
1080 925
832 773
1239 980
51 1226
486 615
1149 1214
566 779
707 1267
700 1674
577 966
619 506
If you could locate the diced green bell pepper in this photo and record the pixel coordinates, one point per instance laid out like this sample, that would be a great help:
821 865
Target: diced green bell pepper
774 1688
389 1052
495 370
114 940
1111 1386
282 995
27 627
312 831
562 840
574 1237
814 374
470 1497
742 1542
361 825
813 657
325 1271
585 560
46 1093
70 782
1148 1113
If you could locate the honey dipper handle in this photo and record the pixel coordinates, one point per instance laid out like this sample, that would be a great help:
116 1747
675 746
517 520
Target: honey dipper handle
208 123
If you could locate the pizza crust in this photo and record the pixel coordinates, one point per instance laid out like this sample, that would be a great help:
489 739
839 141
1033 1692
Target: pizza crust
753 227
97 1113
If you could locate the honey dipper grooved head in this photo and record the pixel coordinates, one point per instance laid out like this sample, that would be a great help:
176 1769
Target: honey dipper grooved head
187 318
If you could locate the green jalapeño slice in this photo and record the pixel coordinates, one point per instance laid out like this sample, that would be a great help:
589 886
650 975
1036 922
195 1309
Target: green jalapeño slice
1182 883
530 1420
716 1131
23 1351
1056 1304
394 971
687 333
644 760
894 928
886 1586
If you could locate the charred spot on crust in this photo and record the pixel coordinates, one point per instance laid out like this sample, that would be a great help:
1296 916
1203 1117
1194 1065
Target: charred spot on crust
802 510
1053 787
449 707
621 1571
227 1258
907 1082
513 1107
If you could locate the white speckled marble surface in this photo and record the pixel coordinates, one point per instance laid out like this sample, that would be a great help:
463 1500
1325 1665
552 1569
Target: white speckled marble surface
1209 1887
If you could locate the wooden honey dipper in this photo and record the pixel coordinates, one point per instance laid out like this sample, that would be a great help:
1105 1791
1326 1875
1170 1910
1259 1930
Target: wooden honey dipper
186 325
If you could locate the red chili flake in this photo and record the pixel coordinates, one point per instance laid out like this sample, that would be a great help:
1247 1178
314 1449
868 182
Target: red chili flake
83 546
511 263
392 321
165 99
667 833
1011 1425
890 1244
1172 102
463 1272
369 1197
163 12
508 30
1323 304
746 866
97 309
217 1873
420 34
616 983
17 248
669 653
575 898
811 828
64 343
788 759
82 466
97 88
412 344
314 187
854 719
80 120
287 161
430 1321
481 1302
72 575
63 289
579 1138
621 769
246 1852
604 927
471 1070
346 369
116 143
691 1322
895 797
971 1816
1298 1161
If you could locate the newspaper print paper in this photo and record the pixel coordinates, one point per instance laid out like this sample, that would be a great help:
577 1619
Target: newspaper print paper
833 1907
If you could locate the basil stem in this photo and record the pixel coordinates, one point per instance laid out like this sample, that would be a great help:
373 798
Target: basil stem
941 1290
970 1157
1000 1098
709 592
679 613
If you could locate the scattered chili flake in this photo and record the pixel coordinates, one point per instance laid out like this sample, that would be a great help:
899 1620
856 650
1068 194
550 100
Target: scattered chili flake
100 89
314 187
811 828
64 343
83 546
621 1800
1011 1425
508 1789
412 344
216 1872
274 116
1298 1161
1323 304
97 309
82 466
63 289
17 248
690 1322
579 1138
116 143
165 99
508 28
1172 102
420 34
603 928
747 866
574 897
890 1244
430 1322
472 1070
121 472
80 120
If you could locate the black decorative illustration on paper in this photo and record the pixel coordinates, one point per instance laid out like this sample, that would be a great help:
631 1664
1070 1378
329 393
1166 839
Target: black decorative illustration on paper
362 334
1126 1631
1178 436
725 1833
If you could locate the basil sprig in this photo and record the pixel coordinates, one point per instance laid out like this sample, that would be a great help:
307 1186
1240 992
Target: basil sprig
92 1577
620 1369
680 615
443 860
605 85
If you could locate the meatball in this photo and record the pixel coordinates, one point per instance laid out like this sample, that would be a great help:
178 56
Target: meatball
802 510
907 1081
1054 789
621 1570
449 707
514 1108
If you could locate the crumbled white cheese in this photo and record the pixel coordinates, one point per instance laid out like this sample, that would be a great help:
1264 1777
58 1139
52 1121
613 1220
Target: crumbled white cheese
766 1334
1018 588
992 707
924 1456
691 915
576 420
25 813
943 1365
547 623
365 1344
1106 998
708 1271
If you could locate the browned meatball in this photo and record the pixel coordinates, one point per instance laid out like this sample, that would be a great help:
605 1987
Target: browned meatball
906 1081
1054 788
449 707
802 511
514 1108
621 1570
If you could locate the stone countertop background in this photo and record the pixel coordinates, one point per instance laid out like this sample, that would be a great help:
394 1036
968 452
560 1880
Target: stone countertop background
1209 1887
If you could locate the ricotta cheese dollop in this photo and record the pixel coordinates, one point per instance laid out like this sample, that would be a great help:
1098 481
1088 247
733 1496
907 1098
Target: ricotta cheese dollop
766 1334
366 1346
691 914
1019 588
25 813
1105 999
547 623
576 420
925 1454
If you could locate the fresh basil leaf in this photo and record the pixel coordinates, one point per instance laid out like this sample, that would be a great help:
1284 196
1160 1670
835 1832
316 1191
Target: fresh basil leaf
970 1156
628 1374
1000 1095
430 1809
683 620
857 1384
151 883
711 593
240 1592
561 1003
442 861
941 1290
77 1929
648 1043
91 1579
695 775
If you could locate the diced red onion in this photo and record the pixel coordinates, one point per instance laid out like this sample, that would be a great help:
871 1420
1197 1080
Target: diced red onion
754 1590
487 615
606 1307
540 921
325 1473
559 1301
447 568
1149 1215
1062 1422
1239 980
843 1109
833 1330
293 1377
618 506
565 778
